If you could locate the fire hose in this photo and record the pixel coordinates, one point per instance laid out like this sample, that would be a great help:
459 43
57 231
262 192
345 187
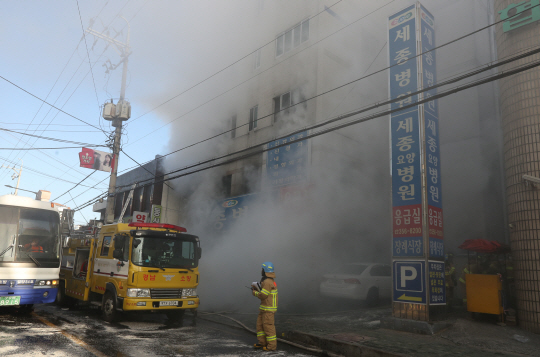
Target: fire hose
311 349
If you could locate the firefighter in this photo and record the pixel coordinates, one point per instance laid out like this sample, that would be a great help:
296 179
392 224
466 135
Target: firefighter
33 247
266 331
449 277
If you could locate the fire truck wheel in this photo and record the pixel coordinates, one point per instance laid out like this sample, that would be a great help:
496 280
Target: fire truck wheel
62 299
108 307
175 316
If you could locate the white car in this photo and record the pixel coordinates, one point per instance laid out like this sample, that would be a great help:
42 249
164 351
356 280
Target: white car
359 281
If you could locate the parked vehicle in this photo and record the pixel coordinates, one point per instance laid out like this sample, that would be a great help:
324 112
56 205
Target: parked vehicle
133 267
29 251
359 281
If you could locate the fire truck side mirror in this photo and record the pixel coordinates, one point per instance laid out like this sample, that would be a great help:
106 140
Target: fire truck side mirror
118 254
199 252
119 241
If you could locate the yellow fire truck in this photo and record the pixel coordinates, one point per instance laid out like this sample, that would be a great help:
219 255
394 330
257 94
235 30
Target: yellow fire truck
133 267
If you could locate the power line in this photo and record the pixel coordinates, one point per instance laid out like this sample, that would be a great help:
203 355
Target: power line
44 174
118 32
64 131
491 78
502 74
49 104
47 138
61 148
223 69
135 161
77 184
88 54
94 187
249 79
323 93
481 29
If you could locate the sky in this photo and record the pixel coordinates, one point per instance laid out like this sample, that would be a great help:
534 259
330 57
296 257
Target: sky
45 55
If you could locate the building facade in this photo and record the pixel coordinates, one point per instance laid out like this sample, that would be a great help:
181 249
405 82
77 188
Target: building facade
520 112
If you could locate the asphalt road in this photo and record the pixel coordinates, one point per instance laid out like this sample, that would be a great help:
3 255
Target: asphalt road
53 331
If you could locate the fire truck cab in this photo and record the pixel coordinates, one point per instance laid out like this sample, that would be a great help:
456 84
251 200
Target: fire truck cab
133 267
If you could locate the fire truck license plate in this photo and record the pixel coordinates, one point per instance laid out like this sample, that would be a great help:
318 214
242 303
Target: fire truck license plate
168 303
10 300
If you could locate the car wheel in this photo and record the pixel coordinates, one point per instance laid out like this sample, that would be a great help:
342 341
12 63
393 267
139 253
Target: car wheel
108 307
372 297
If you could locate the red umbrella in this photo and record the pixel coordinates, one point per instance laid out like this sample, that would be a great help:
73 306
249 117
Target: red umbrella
484 246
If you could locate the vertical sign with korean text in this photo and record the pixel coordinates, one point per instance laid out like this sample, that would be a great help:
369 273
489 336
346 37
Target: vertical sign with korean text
156 212
287 165
417 216
431 130
407 235
437 283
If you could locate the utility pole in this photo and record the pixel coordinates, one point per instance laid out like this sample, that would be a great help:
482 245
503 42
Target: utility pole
116 113
17 175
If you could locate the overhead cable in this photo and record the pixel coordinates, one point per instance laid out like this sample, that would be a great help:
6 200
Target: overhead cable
47 138
226 67
502 74
321 94
77 184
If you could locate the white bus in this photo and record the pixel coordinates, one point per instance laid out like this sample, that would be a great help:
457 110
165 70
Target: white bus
29 251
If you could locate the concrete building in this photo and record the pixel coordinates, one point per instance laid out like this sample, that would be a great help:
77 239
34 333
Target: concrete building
151 197
353 163
520 111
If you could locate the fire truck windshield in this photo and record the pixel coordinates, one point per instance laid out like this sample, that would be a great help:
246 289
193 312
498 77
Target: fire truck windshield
164 252
29 235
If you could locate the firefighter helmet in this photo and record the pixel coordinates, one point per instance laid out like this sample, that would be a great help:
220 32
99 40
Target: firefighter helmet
268 267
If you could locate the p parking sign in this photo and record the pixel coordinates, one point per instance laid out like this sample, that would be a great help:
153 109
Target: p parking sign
410 281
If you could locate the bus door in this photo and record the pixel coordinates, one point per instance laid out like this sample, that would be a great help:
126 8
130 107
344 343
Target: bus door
79 285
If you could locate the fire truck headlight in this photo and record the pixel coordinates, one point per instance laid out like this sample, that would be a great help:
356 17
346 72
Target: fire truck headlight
138 292
189 292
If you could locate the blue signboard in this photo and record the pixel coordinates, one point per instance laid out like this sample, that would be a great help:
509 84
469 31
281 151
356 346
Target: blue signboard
431 128
437 283
287 165
232 209
410 281
402 47
405 138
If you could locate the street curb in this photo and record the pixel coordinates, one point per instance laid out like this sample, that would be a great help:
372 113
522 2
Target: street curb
414 326
336 346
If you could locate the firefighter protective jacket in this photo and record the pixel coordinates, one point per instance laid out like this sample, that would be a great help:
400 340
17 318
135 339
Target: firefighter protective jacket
268 294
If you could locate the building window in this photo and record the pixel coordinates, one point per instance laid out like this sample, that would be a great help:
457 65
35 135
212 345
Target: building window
281 103
253 117
292 38
146 205
257 59
233 127
226 185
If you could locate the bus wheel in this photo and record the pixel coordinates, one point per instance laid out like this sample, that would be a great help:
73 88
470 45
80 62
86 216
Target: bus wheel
175 315
26 309
108 307
61 298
